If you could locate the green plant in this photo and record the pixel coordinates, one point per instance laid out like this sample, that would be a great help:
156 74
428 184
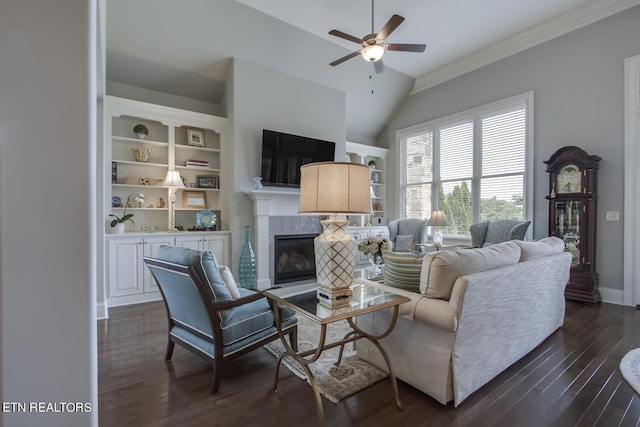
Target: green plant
140 128
137 197
119 220
372 163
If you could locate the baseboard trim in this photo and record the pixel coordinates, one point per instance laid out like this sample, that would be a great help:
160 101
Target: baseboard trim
613 296
102 312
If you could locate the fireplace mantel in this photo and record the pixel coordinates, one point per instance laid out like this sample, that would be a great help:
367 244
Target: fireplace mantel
267 203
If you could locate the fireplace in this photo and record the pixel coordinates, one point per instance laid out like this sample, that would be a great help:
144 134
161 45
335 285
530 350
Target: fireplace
294 258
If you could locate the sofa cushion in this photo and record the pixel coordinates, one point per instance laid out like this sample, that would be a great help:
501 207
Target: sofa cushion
402 270
404 243
543 247
440 269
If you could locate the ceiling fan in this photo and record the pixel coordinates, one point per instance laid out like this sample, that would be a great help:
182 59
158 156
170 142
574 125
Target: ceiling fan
373 45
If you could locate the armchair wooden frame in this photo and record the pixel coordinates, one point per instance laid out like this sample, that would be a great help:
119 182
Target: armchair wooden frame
213 308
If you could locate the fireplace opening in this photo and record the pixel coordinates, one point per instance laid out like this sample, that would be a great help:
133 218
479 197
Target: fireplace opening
294 258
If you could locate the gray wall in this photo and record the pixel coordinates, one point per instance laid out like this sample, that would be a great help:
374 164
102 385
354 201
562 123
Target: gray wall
267 99
578 86
47 203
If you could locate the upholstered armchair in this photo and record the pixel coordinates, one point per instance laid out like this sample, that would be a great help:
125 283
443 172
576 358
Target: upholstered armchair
204 317
404 234
494 231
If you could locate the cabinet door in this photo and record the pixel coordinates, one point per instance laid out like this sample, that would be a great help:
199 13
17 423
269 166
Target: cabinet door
219 245
193 241
125 267
151 246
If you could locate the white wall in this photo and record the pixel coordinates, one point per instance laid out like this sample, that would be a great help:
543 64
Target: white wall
47 202
267 99
577 80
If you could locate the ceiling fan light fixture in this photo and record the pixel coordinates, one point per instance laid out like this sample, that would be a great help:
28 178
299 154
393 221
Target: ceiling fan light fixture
373 53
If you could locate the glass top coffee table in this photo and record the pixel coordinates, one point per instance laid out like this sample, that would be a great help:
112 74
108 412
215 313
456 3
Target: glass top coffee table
304 301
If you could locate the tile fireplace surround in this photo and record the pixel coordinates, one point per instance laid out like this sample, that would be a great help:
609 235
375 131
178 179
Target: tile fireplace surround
275 212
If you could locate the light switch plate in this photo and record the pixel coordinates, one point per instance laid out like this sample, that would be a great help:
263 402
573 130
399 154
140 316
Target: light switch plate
612 216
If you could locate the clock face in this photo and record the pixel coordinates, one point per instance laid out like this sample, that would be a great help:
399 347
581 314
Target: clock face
569 180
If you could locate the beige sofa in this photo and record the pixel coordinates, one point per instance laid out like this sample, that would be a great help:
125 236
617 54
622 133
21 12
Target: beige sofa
478 311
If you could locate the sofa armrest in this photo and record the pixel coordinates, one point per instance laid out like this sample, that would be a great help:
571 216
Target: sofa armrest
429 311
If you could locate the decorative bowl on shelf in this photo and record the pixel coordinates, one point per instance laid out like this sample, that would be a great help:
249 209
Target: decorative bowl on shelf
141 154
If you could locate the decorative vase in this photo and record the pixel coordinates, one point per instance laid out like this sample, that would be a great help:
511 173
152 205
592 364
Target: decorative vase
248 263
118 229
375 261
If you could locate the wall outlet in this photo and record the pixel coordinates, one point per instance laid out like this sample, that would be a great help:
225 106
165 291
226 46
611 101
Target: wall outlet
612 216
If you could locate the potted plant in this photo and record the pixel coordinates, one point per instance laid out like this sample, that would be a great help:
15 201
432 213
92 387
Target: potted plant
118 223
141 130
372 164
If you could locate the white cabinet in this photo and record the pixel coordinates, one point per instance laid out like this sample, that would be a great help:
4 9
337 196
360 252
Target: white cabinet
216 242
129 281
375 158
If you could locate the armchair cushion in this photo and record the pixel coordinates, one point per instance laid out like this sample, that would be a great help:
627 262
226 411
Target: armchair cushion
441 269
487 233
204 262
404 243
404 227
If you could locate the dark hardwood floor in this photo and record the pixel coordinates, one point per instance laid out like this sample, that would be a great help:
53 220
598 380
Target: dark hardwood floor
572 379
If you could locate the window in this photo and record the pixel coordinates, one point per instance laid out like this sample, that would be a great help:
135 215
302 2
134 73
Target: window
472 165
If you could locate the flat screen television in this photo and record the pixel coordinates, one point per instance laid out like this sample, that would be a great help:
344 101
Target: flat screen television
283 154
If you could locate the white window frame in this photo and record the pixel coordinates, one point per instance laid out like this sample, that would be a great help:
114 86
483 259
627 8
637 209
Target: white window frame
494 107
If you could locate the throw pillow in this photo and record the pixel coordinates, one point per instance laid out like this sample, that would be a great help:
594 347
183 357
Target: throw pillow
402 270
404 243
543 247
441 269
229 281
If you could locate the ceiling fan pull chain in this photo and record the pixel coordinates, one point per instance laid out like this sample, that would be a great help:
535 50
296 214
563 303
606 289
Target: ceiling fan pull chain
371 78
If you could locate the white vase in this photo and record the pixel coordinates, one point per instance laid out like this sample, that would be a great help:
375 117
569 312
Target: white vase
118 229
141 135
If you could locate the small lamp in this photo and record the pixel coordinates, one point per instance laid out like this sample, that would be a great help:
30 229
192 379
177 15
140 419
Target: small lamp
173 181
437 220
334 188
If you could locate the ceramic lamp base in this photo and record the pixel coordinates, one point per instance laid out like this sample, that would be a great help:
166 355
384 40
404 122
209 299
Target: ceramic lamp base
334 255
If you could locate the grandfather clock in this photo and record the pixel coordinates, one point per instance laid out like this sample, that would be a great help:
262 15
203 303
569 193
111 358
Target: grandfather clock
573 179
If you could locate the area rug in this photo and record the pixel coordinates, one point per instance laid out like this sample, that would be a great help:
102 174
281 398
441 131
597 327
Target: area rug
334 382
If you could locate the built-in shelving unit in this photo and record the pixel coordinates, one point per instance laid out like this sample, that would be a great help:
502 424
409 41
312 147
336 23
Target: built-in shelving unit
364 154
127 279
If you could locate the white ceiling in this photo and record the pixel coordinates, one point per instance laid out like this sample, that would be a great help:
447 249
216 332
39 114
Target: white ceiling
184 48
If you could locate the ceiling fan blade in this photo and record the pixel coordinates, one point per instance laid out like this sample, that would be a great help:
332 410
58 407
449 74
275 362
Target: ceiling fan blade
345 36
406 47
344 58
390 26
378 66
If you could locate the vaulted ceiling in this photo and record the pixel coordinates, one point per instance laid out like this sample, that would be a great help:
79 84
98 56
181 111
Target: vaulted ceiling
185 48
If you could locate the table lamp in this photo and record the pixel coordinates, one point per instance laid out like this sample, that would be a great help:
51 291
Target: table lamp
334 188
438 219
173 181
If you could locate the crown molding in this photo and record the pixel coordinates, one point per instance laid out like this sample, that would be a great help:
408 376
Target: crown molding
555 27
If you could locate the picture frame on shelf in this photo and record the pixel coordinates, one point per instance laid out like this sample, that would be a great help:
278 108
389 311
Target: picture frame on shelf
195 137
194 199
376 206
208 181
